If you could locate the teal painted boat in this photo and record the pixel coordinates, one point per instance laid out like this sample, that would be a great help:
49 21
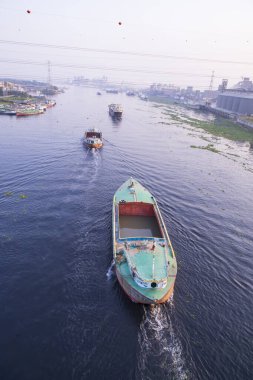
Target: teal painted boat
145 262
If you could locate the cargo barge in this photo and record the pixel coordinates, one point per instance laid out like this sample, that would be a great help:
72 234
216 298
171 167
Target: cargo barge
116 110
145 261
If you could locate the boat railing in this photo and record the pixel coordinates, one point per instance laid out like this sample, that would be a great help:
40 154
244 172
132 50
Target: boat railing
163 227
151 238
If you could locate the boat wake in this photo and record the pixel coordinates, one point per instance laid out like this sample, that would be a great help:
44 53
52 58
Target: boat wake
86 154
110 272
93 159
96 164
160 351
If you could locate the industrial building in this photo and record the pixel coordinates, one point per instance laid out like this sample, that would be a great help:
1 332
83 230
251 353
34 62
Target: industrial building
236 102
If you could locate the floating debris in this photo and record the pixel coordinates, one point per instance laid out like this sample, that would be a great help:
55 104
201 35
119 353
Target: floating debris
22 196
8 193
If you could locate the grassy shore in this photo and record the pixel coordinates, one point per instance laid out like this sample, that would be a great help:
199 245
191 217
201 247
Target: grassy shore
219 127
226 128
16 99
209 147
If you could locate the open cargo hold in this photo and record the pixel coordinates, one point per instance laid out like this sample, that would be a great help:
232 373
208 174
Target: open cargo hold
138 219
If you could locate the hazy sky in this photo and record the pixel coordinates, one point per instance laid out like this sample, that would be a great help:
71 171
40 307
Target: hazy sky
210 31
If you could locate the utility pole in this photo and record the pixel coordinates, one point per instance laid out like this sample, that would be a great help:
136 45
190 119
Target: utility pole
211 81
49 73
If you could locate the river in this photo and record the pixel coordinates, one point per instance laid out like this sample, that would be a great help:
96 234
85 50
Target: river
62 312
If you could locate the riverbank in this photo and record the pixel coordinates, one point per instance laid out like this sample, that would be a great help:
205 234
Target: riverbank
24 105
217 125
14 99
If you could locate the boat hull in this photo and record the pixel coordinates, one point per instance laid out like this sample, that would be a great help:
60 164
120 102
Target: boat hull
29 113
137 297
115 114
96 146
8 113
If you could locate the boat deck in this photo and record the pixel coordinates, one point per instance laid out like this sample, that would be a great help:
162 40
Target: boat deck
150 263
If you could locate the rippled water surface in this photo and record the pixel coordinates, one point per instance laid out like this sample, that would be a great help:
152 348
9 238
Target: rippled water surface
62 313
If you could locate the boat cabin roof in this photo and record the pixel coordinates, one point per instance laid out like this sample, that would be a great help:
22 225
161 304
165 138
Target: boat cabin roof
93 130
93 133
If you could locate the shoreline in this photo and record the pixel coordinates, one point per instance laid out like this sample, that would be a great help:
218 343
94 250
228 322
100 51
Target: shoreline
220 126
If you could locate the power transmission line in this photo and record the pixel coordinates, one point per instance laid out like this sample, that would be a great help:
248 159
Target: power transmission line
63 65
150 55
67 78
49 73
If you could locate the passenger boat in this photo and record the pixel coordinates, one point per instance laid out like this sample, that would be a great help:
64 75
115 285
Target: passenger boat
115 110
93 138
145 262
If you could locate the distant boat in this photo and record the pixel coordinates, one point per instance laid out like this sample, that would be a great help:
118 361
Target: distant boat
145 262
192 106
112 91
93 138
130 93
7 112
29 111
50 103
115 110
143 97
99 93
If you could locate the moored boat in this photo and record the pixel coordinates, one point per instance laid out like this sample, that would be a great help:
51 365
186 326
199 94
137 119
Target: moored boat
115 110
93 138
112 91
50 103
143 97
130 93
192 106
29 111
145 262
8 112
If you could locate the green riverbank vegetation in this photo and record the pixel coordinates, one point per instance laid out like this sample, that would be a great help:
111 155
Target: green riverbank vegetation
219 127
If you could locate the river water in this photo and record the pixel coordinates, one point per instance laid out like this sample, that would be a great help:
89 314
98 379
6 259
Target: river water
62 312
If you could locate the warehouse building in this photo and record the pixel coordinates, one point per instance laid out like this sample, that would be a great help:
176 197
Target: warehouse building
236 102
